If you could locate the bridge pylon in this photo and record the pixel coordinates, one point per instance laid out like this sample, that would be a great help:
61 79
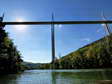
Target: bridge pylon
53 41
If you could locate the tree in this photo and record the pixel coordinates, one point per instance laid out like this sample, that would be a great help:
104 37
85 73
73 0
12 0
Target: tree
10 57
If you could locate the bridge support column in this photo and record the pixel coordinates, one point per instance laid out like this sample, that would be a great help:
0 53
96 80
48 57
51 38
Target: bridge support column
53 42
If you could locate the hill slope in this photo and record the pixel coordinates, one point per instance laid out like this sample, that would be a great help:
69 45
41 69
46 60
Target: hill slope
29 65
95 55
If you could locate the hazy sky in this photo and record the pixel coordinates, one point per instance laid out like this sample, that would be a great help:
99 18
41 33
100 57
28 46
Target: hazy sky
34 42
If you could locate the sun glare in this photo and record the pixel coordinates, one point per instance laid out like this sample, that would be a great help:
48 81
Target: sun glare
20 27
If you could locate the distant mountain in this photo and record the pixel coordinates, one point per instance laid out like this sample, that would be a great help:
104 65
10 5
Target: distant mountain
30 65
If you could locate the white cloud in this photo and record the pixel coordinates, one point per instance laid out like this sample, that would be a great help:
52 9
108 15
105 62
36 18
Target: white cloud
98 30
103 24
86 39
37 56
59 25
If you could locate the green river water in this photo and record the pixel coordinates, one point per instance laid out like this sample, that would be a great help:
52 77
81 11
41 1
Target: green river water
78 76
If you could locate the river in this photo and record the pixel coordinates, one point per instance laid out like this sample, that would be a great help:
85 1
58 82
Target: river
78 76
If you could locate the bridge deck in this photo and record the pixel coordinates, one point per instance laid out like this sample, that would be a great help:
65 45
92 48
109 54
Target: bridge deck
57 22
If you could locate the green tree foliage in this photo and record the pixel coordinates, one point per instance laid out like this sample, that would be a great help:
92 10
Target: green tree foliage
10 57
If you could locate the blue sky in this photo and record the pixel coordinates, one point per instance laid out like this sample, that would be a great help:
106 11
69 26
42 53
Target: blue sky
34 42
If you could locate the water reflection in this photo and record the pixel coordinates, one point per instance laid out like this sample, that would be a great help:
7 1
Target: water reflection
53 76
82 77
91 76
9 79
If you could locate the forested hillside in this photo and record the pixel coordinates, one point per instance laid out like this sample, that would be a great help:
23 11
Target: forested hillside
30 65
94 55
10 57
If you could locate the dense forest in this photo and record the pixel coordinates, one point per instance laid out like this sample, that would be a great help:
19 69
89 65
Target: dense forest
10 57
94 55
